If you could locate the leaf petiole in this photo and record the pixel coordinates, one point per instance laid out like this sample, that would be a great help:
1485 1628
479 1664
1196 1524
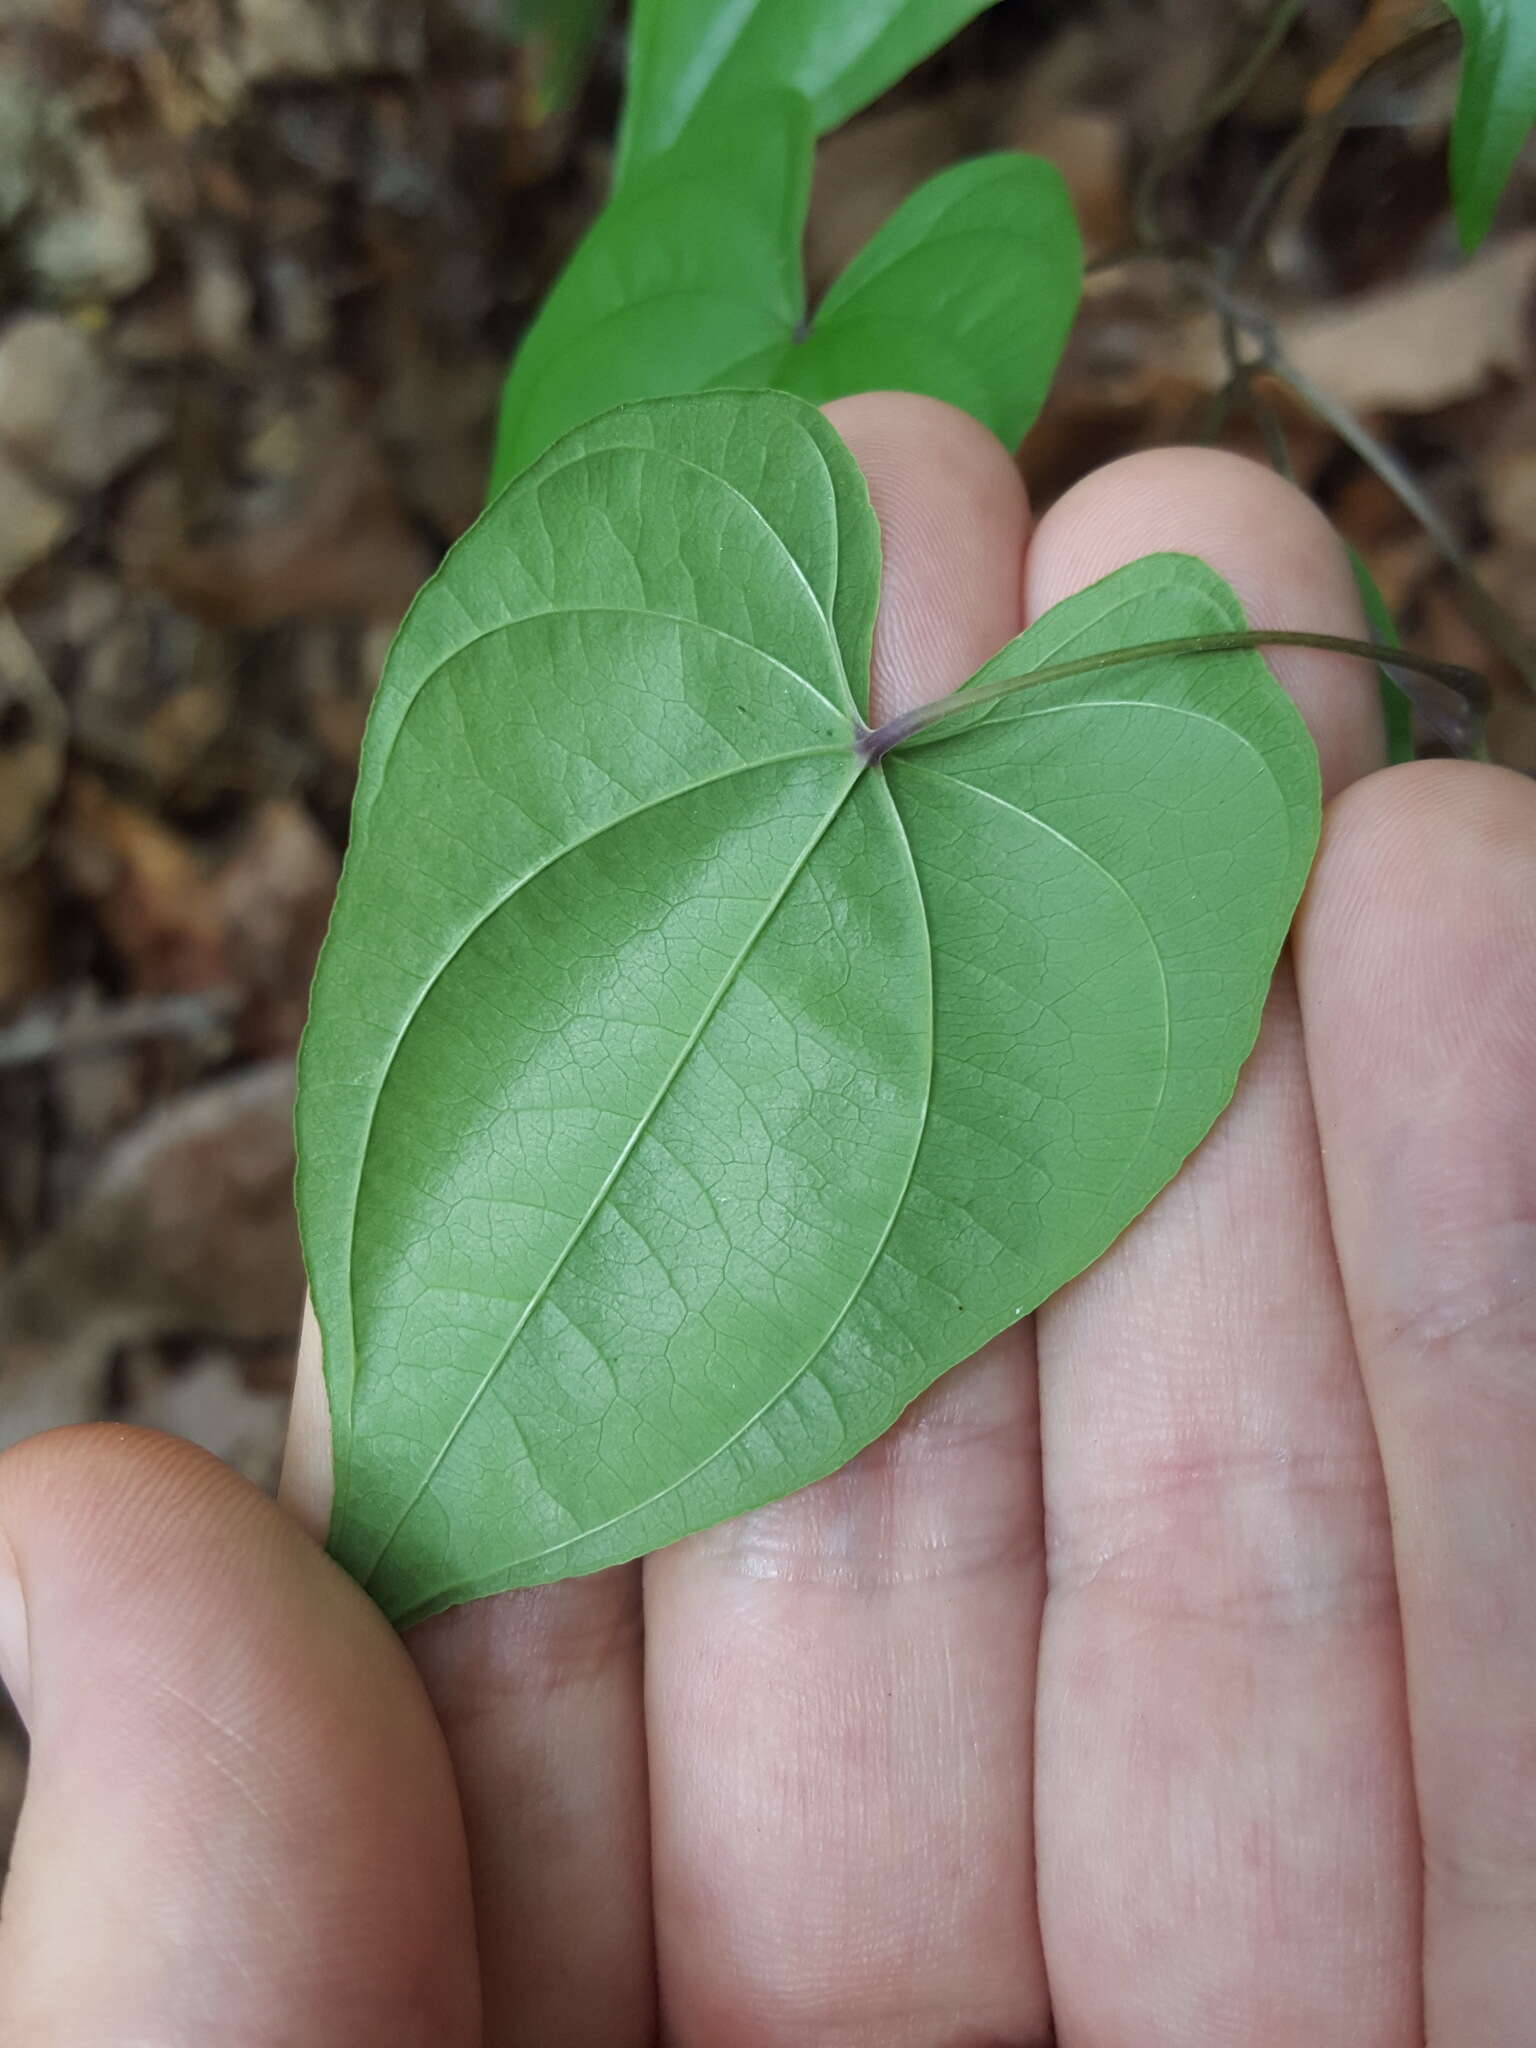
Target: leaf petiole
873 743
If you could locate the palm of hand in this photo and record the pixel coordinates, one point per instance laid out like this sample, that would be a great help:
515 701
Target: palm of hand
1164 1676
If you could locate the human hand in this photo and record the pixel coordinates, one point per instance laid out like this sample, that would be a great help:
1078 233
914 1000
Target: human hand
1167 1676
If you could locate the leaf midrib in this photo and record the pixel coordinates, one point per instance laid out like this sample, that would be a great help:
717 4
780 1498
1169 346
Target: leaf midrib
626 1152
907 764
825 616
854 1293
523 881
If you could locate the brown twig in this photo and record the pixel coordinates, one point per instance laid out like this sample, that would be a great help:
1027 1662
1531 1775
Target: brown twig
1215 275
43 1034
1484 610
1144 205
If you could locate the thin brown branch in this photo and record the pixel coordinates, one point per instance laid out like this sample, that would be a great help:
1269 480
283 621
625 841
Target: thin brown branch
45 1034
1482 608
1227 97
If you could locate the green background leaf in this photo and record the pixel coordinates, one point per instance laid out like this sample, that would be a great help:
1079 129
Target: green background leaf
682 1095
1495 107
967 293
1396 712
560 35
690 278
840 54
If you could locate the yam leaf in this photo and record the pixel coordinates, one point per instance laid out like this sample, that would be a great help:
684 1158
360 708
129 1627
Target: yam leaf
686 278
967 293
840 54
1396 711
558 36
691 278
684 1091
1495 107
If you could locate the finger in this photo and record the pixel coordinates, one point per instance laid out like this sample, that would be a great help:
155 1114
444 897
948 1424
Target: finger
1417 958
1276 550
840 1687
239 1821
539 1696
1225 1823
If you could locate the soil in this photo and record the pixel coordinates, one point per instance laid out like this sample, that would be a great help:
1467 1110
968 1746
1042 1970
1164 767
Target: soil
262 265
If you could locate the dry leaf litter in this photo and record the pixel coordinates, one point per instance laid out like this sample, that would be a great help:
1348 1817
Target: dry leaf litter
261 266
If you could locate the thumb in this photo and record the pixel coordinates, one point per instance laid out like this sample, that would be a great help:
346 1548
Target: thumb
239 1820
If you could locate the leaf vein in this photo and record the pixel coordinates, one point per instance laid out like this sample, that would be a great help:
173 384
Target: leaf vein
626 1152
854 1293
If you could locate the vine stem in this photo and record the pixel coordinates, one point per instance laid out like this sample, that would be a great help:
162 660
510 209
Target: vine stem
1223 102
1486 612
1214 273
871 744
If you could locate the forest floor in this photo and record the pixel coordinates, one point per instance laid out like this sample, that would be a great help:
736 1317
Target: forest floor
262 263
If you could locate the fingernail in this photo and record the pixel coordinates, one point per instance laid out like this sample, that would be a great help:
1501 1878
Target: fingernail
15 1654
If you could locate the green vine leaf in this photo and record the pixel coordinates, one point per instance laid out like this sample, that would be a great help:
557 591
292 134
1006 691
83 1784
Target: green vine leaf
559 36
684 279
838 54
688 1083
967 293
1396 712
690 278
1495 107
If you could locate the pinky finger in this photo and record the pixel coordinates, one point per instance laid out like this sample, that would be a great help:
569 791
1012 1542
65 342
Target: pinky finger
1417 963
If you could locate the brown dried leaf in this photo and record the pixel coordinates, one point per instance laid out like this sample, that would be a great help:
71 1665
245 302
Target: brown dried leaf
1398 552
153 898
32 521
65 413
245 926
274 898
1386 26
1509 483
347 551
1428 342
187 1229
1061 108
24 924
33 732
297 39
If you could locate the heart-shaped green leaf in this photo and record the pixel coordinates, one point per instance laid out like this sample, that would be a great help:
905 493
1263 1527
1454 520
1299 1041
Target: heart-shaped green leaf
967 293
1396 713
686 278
839 54
691 278
685 1089
1494 108
557 38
